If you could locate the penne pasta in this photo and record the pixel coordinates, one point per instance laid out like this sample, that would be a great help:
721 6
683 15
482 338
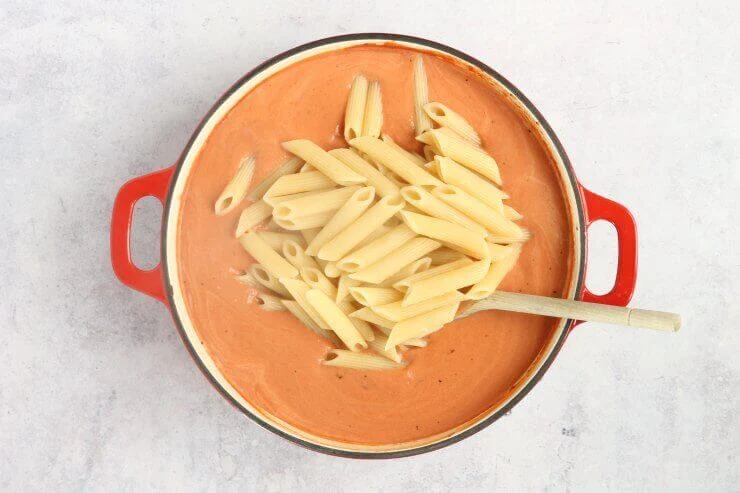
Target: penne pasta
415 342
511 213
403 284
317 280
465 153
362 326
376 249
344 284
304 222
452 235
299 313
273 201
309 234
414 157
454 174
378 345
269 303
252 216
314 204
359 361
306 168
292 165
499 252
310 181
409 270
429 154
495 275
445 117
247 278
445 255
354 115
353 208
429 204
336 319
370 316
331 269
383 185
393 262
373 117
294 253
373 218
324 162
422 122
523 237
270 260
396 312
276 239
395 160
261 276
371 296
237 188
490 218
298 290
422 325
440 284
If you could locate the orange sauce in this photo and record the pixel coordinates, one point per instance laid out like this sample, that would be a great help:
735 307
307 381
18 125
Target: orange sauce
269 357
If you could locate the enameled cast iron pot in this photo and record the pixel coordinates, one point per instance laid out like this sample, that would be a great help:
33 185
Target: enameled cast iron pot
162 281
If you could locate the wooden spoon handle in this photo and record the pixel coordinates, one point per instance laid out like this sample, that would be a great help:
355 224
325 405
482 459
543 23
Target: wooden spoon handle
578 310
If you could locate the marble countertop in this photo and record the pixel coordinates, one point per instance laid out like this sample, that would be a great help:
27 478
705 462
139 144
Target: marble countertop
97 391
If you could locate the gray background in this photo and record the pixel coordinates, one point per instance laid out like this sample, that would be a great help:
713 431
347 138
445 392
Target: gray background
98 393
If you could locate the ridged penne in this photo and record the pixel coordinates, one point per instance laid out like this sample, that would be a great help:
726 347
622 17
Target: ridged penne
309 234
314 204
270 260
306 168
354 115
490 218
247 278
396 312
237 188
298 290
372 296
378 345
336 319
422 122
496 273
453 173
395 160
373 218
294 253
343 285
274 200
429 154
465 153
268 302
299 313
359 361
353 208
393 262
304 222
499 252
292 165
363 327
370 316
409 270
373 117
511 213
324 162
261 276
403 284
252 216
414 157
523 237
376 249
445 117
276 239
317 280
383 185
309 181
444 283
422 325
445 255
452 235
420 198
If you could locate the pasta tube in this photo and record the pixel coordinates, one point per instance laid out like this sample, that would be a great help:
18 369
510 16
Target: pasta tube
237 188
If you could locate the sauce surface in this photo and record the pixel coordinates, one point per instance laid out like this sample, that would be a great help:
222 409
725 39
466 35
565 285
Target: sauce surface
269 357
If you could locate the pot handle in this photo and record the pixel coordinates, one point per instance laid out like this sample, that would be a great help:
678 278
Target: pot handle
147 281
600 208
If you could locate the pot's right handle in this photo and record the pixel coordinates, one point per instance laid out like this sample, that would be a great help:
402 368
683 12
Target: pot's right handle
147 281
600 208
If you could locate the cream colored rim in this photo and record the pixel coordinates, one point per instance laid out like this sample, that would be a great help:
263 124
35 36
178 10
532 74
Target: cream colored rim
172 223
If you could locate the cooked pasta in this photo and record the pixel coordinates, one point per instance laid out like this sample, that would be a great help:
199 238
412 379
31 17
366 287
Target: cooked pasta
294 253
496 273
299 313
363 327
324 162
276 239
403 284
354 115
268 302
420 198
395 160
314 204
263 277
421 325
378 345
454 174
465 153
248 278
237 188
372 296
393 262
308 181
353 208
490 218
317 280
336 319
343 286
511 213
270 260
298 290
452 235
292 165
445 255
414 267
396 312
373 117
445 117
370 316
252 216
444 283
304 222
383 186
359 361
422 122
419 160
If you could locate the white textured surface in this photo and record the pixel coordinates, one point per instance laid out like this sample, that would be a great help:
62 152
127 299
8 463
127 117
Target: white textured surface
98 393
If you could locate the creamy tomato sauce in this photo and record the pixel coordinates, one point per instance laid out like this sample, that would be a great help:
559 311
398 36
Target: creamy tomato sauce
269 357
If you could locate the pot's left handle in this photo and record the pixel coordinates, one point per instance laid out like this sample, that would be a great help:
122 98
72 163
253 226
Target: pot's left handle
147 281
